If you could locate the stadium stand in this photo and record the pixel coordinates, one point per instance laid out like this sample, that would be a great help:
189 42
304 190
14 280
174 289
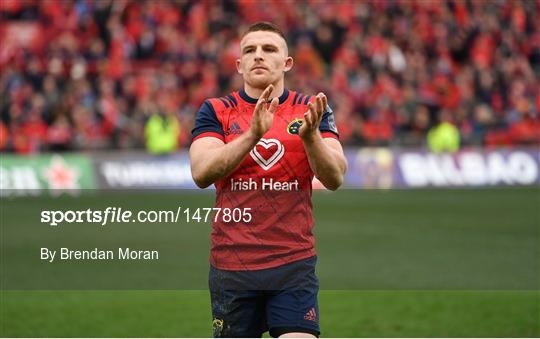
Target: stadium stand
86 75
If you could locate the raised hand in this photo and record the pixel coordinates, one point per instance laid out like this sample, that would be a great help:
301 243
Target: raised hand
313 117
263 115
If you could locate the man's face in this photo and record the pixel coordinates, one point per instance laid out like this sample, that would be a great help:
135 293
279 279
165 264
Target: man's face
264 59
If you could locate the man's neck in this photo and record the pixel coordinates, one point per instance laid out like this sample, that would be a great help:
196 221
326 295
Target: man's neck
256 92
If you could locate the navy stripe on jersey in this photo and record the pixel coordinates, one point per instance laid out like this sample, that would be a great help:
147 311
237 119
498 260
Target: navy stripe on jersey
307 99
225 102
233 99
206 121
300 98
294 99
229 101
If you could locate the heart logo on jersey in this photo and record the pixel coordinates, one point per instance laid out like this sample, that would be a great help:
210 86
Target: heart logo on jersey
271 150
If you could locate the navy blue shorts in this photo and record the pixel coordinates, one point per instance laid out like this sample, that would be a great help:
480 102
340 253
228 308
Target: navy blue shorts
279 300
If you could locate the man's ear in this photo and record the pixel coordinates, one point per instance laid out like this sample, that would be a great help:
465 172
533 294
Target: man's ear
238 69
289 62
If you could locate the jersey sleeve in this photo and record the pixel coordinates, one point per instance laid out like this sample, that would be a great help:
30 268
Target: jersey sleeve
328 124
207 123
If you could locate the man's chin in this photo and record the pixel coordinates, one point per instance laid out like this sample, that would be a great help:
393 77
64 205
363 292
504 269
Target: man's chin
259 82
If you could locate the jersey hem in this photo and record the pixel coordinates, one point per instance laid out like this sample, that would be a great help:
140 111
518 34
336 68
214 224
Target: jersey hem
210 134
329 134
286 261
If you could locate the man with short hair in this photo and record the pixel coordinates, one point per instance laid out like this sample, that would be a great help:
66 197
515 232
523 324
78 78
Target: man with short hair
261 147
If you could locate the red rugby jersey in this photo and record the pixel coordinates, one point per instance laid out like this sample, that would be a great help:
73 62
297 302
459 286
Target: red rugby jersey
273 180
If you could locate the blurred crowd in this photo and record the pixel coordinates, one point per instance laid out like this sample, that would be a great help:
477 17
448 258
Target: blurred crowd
90 74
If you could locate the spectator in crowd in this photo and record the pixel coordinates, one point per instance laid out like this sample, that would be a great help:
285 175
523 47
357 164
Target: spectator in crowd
161 132
444 137
78 74
3 136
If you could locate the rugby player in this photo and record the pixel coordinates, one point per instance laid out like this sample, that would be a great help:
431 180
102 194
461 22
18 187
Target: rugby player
261 147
